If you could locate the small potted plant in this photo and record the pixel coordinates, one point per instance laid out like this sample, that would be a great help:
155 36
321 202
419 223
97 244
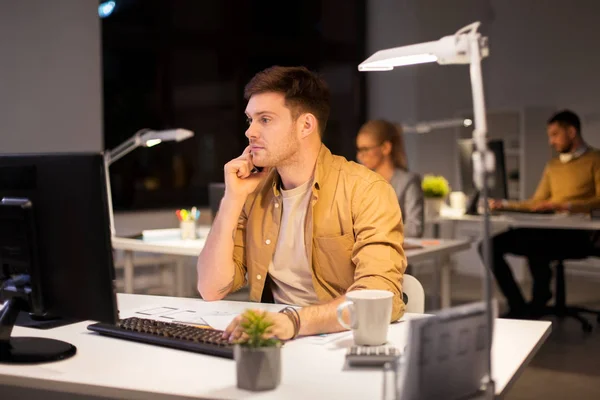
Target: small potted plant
257 356
435 189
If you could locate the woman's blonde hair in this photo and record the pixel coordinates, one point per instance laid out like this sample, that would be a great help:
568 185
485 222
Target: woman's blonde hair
385 131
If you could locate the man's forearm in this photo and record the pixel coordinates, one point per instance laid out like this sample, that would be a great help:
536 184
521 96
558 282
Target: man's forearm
520 204
322 318
215 262
584 206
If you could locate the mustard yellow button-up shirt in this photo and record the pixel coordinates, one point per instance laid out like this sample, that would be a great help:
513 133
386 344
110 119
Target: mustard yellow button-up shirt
353 222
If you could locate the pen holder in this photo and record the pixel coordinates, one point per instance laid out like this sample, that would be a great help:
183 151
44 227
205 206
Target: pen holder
188 229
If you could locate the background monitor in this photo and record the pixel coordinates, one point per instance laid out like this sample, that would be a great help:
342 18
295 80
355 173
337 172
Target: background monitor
498 190
55 248
216 191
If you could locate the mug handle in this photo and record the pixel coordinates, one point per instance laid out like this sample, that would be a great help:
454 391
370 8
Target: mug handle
351 312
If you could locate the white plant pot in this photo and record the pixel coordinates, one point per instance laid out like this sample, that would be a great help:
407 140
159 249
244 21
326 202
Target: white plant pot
433 205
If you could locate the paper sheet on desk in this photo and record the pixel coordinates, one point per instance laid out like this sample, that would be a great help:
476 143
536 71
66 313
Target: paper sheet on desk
171 234
412 244
325 338
219 322
215 319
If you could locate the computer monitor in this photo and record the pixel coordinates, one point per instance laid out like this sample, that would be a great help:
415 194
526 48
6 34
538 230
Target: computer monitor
55 248
498 189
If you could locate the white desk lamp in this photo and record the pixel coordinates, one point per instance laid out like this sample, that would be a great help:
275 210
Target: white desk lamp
466 46
144 138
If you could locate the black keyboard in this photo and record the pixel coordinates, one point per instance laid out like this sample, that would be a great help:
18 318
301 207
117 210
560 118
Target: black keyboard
168 334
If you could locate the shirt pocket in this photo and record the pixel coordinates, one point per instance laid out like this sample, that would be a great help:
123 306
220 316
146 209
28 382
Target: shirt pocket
334 254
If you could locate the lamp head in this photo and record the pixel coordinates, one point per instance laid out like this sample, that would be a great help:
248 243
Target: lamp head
146 138
152 138
453 49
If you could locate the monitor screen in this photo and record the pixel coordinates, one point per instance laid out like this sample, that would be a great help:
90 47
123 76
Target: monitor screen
499 186
55 245
70 213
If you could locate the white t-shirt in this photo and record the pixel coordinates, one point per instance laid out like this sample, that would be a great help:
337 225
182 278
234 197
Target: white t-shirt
290 268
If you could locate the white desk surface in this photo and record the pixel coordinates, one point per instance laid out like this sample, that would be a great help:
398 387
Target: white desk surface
551 221
175 246
118 368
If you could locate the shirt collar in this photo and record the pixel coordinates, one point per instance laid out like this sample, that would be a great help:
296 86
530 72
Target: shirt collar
580 150
324 160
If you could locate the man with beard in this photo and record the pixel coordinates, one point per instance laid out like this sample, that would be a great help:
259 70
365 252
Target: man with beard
301 226
570 183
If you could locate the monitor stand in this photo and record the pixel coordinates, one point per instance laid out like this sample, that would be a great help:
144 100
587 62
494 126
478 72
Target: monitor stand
29 320
27 350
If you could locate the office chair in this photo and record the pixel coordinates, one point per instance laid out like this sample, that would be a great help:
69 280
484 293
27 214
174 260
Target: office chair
560 308
413 295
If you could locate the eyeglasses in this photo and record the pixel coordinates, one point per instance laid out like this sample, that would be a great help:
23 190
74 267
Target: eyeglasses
360 150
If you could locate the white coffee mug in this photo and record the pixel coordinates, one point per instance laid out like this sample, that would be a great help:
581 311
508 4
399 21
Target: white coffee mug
370 313
458 201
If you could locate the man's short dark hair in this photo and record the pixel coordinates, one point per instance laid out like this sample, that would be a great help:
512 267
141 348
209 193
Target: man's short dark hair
304 91
566 118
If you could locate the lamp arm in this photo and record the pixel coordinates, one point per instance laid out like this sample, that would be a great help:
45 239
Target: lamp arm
110 157
126 147
483 168
471 28
111 215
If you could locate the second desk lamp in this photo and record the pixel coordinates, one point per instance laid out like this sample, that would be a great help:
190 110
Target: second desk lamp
142 138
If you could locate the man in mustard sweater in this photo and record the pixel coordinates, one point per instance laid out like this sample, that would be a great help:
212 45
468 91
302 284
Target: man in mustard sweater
570 183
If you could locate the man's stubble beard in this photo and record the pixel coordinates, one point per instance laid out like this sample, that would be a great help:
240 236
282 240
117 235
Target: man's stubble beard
285 154
568 148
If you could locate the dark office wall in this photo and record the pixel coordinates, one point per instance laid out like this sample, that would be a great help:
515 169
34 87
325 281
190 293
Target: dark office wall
50 78
184 63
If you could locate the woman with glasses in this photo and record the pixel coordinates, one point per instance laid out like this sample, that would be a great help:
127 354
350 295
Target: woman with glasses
380 147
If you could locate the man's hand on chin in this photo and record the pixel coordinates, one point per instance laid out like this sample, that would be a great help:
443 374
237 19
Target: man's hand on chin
550 206
282 327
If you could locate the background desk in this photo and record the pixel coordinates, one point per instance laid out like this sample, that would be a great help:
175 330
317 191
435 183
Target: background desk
115 368
439 250
552 221
470 227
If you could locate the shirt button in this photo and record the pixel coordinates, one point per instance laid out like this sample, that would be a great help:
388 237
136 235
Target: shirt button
268 241
258 277
276 205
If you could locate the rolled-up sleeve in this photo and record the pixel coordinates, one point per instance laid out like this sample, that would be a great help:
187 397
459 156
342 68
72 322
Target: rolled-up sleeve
239 253
377 252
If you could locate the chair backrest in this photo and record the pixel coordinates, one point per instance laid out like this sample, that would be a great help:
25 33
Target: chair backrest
413 290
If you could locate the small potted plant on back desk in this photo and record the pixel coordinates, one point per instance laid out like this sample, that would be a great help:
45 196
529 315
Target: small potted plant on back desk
257 356
435 189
